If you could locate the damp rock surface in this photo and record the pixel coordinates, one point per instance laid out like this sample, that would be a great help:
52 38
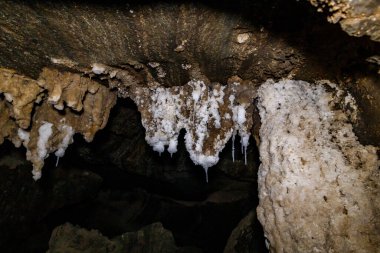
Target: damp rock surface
318 186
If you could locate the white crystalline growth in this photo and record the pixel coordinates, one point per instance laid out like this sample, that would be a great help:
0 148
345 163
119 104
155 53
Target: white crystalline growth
239 118
8 97
239 114
203 111
98 68
318 186
44 133
198 88
68 133
66 141
41 141
167 123
196 135
172 146
24 136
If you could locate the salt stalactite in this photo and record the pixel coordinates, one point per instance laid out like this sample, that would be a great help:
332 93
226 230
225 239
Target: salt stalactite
44 133
319 188
93 117
233 146
203 111
68 133
51 131
65 103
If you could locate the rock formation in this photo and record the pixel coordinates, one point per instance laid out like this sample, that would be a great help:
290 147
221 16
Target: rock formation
211 114
197 66
150 239
311 159
356 17
54 118
318 186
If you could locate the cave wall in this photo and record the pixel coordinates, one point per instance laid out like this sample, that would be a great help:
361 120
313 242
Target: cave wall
205 39
77 56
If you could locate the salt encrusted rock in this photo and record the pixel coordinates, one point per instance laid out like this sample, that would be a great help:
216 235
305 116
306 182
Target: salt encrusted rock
60 128
318 186
211 115
51 130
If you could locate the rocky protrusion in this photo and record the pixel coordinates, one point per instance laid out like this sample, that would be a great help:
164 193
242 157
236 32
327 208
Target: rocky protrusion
318 186
211 115
21 92
74 104
356 17
150 239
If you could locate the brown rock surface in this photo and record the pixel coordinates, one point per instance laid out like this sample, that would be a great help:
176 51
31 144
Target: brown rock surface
150 239
21 92
87 103
356 17
7 124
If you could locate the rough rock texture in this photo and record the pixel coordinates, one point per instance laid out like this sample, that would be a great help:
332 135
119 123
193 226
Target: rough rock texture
150 239
367 90
318 186
22 93
68 238
7 124
177 36
54 120
65 88
158 47
169 42
210 114
356 17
